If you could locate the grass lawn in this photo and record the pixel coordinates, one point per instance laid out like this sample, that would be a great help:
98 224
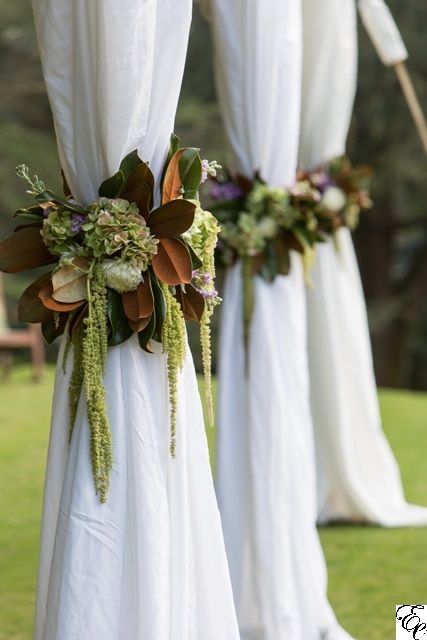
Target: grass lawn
370 569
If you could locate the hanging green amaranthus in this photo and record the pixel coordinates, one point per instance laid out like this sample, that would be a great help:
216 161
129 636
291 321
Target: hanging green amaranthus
94 356
173 340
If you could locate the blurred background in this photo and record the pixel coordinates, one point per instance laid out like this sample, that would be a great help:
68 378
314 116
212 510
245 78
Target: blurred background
392 238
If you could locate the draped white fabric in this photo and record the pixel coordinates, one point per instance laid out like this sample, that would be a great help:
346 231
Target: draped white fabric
358 478
382 29
150 564
266 468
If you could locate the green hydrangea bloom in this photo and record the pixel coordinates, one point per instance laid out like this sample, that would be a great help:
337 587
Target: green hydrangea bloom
114 227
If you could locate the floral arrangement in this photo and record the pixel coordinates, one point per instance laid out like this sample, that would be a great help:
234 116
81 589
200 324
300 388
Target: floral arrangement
344 192
261 225
118 267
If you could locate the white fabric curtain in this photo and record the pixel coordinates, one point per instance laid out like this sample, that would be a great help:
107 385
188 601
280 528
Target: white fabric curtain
358 478
149 564
383 31
266 485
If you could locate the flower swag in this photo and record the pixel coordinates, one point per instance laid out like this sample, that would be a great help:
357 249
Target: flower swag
261 225
119 266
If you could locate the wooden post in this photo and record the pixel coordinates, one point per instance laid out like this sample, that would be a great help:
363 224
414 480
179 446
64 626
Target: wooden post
412 100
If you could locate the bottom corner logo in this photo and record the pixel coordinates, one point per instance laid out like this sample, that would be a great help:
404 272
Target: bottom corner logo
411 622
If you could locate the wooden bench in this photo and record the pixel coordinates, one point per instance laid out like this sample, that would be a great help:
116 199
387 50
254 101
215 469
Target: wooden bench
12 339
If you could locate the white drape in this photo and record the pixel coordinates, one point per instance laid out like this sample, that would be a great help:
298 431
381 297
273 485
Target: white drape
265 453
358 478
149 564
382 29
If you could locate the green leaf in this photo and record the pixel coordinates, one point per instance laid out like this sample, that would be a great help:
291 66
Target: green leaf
32 213
49 196
270 266
159 308
305 237
190 169
174 145
145 336
51 330
172 219
111 188
24 250
120 329
129 164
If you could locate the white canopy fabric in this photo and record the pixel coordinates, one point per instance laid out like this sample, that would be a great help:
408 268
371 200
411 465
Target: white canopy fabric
150 564
382 29
358 478
266 484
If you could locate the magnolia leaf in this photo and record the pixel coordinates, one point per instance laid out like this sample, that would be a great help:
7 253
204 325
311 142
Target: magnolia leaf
111 188
291 242
77 317
192 302
283 257
66 189
31 308
147 333
25 225
52 329
32 213
130 163
174 145
172 219
24 250
49 196
45 295
245 184
140 324
159 308
69 283
270 267
172 262
139 188
190 169
172 183
120 329
140 303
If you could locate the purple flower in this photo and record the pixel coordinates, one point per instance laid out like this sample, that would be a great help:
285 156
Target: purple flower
205 170
46 211
225 191
321 180
77 222
208 295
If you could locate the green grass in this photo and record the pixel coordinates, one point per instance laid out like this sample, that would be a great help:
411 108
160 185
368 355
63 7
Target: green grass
370 570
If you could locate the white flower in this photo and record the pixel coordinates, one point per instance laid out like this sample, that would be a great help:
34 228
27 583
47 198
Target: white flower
121 276
268 227
334 199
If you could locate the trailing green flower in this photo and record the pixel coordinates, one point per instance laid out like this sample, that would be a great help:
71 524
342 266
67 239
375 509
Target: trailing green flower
95 343
77 378
173 340
203 238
